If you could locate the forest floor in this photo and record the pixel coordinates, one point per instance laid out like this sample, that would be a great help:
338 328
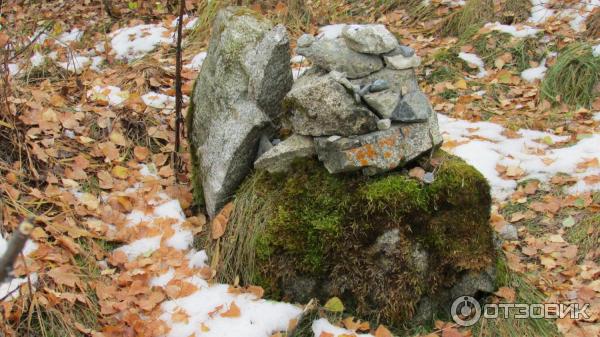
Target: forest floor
87 140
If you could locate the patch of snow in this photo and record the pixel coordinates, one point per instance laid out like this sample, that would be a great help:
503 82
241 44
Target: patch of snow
162 280
474 60
197 259
535 73
520 31
596 50
454 3
37 59
110 94
257 317
540 11
75 63
13 69
191 24
322 327
144 246
298 72
96 63
331 31
134 42
158 100
483 145
297 59
196 62
596 116
74 35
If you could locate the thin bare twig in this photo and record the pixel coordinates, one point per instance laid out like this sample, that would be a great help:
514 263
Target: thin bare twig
14 248
178 93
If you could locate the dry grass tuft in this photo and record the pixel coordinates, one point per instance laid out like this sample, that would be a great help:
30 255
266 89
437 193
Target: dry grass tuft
592 24
572 79
473 15
514 11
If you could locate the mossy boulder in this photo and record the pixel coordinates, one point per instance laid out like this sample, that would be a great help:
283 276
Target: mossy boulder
390 246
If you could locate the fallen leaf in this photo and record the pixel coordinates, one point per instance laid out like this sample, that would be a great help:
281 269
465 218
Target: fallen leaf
232 312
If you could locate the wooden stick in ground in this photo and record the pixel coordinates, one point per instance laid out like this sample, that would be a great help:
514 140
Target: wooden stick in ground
15 246
178 93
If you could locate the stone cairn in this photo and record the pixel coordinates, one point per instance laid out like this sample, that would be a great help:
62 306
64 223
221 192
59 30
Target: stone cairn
358 107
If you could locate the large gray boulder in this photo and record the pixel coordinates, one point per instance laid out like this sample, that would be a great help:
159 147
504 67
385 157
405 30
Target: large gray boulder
239 90
319 105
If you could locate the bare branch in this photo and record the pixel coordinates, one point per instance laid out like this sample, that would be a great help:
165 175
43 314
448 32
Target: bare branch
14 248
178 93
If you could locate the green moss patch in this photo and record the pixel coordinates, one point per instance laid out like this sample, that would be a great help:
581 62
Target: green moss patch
312 234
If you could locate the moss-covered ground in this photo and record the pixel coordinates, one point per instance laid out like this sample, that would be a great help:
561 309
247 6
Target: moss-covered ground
311 224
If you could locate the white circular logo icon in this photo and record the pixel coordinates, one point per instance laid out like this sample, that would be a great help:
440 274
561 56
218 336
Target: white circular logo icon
465 310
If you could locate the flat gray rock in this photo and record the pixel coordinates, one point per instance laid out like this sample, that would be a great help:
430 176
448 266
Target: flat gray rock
241 85
379 151
334 54
369 39
318 105
279 158
401 62
382 103
414 107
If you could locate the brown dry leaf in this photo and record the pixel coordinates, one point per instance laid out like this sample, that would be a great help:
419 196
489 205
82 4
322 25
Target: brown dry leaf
141 153
232 312
3 39
64 276
90 201
256 291
417 172
382 331
326 334
507 293
451 332
120 172
180 316
219 223
118 138
68 243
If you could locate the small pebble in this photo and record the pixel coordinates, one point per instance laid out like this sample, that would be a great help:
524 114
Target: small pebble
428 177
379 85
384 124
333 138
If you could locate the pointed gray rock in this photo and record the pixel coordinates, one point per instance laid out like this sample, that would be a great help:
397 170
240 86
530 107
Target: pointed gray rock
414 107
382 103
401 62
241 85
318 105
280 157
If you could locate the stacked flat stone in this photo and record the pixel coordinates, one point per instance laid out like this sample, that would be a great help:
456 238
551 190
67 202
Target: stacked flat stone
359 107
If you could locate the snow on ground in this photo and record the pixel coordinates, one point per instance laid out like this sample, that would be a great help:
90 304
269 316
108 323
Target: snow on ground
540 11
535 73
110 94
209 309
486 146
196 62
297 59
596 50
158 100
520 31
297 72
474 60
322 327
74 35
596 116
11 286
37 59
75 63
134 42
13 69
